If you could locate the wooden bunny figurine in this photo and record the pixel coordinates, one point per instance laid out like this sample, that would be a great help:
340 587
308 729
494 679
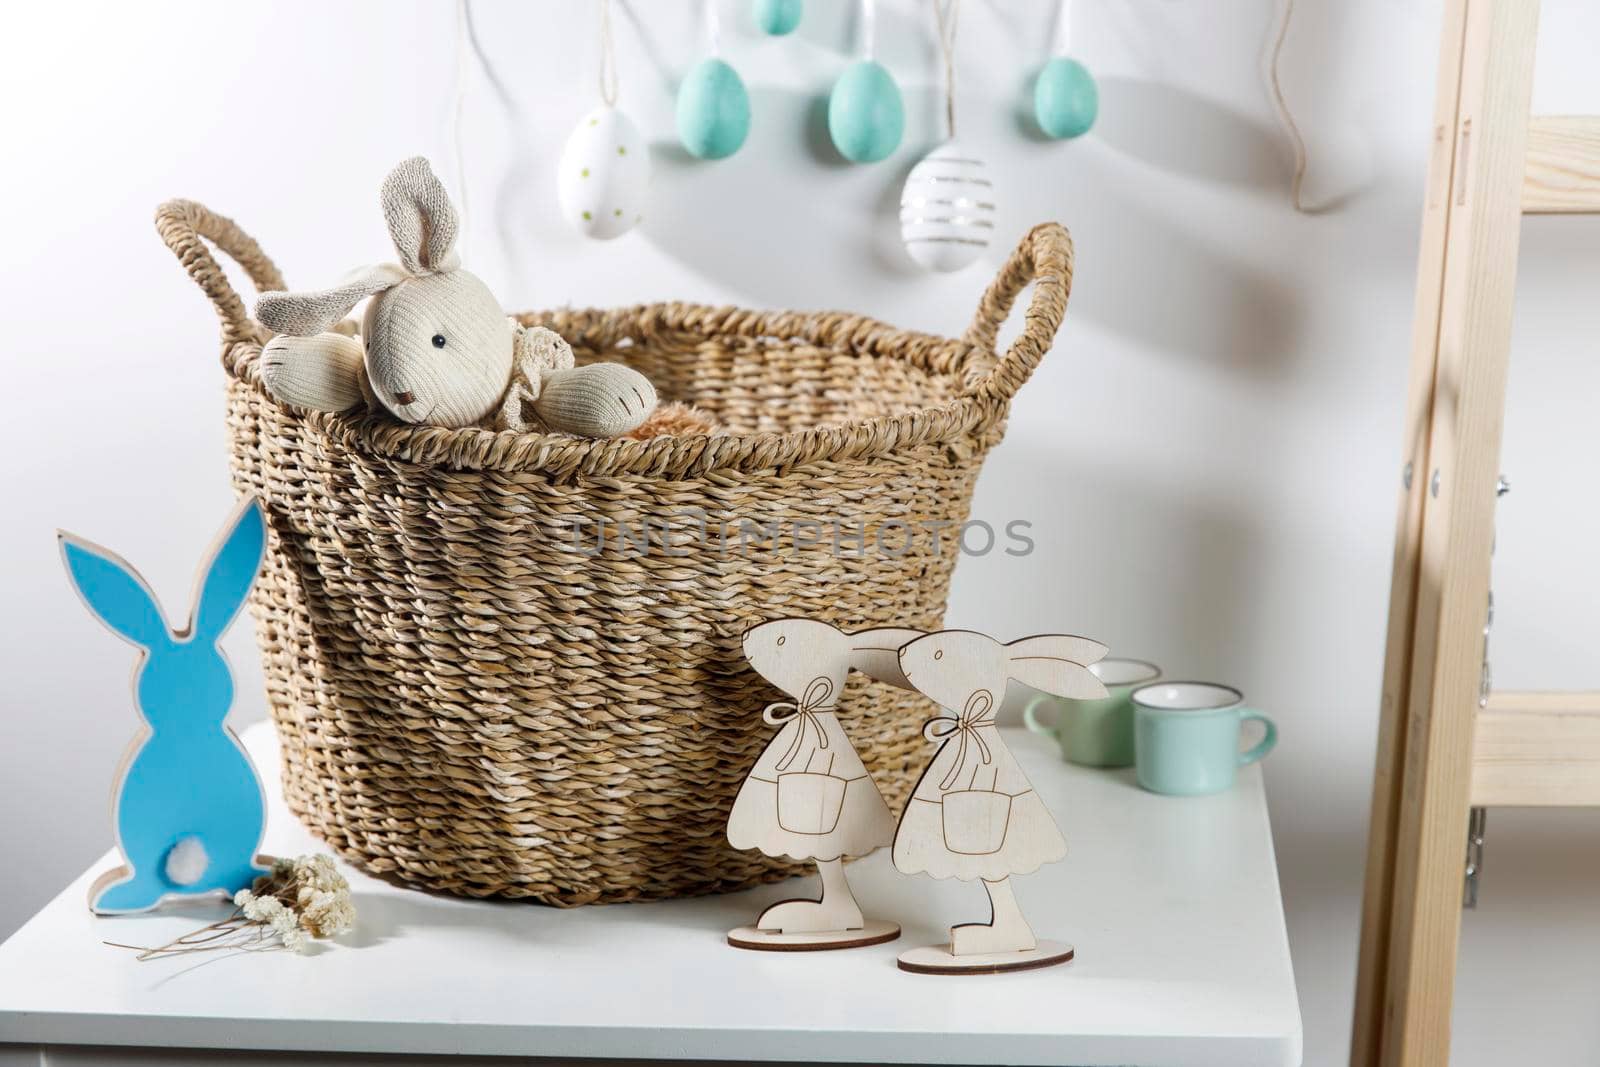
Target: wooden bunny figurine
438 348
189 807
809 796
973 813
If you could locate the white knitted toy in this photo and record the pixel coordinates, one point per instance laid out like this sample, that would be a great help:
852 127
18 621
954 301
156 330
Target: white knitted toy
439 350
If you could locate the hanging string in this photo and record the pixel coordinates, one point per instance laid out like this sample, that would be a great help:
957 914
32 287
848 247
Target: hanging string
713 28
869 29
608 57
945 11
1296 141
463 35
1064 28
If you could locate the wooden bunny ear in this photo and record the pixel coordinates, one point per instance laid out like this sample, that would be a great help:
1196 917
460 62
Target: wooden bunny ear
306 314
113 591
876 653
421 219
1059 664
231 570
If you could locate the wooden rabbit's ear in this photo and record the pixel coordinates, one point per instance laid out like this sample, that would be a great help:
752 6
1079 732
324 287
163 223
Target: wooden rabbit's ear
113 591
876 653
1057 663
422 221
308 314
230 571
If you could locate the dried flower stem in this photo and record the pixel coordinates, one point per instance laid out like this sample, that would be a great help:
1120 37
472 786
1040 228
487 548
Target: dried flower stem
301 899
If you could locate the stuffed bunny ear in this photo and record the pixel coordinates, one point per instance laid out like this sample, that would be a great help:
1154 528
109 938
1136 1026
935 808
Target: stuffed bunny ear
876 653
1059 664
305 314
422 221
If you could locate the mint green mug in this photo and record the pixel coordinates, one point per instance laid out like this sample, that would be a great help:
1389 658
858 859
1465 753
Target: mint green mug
1096 733
1186 736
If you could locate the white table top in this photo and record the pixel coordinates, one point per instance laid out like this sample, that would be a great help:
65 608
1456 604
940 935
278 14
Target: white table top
1172 904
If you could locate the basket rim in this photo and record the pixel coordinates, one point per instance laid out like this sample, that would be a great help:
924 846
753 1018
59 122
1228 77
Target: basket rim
681 455
1044 257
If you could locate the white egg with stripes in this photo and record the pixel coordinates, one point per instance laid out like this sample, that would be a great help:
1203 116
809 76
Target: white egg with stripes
947 209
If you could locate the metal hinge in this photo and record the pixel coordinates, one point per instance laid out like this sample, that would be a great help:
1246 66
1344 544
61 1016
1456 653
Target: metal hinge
1475 826
1478 818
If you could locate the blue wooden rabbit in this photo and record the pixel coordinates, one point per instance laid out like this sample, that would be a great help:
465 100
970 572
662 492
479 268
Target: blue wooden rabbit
189 810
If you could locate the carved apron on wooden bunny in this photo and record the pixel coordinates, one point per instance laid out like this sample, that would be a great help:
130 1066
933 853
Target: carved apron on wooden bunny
973 813
805 782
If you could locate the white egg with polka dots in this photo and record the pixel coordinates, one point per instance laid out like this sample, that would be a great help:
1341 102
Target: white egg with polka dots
605 175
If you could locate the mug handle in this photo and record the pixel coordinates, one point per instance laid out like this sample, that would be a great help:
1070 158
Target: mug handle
1032 721
1267 743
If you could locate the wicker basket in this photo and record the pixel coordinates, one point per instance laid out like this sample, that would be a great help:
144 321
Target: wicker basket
473 695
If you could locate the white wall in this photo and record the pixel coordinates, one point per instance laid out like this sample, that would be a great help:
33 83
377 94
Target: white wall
1209 454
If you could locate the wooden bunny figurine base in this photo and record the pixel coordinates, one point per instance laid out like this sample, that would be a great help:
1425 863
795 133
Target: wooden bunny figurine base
808 796
189 811
973 813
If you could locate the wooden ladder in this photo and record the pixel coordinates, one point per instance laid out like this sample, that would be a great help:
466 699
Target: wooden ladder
1446 743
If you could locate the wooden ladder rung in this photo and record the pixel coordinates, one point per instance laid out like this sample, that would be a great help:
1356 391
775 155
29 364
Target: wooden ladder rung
1563 176
1537 749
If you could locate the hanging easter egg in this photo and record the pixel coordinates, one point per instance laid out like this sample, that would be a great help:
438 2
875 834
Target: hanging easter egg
865 114
777 17
1065 99
604 175
947 208
713 110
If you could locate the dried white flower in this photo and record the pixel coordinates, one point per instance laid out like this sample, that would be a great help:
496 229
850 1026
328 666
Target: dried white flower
326 914
302 898
319 873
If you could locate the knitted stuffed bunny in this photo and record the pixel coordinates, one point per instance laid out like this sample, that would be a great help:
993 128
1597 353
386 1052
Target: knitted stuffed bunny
439 350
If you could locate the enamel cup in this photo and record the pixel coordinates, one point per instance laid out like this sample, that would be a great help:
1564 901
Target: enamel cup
1187 737
1096 733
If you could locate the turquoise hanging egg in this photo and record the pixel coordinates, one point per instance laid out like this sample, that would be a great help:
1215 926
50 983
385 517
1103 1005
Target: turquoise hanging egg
777 17
713 110
865 114
1065 100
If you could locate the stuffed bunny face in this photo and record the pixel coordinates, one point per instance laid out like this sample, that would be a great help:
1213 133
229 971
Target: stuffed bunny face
439 349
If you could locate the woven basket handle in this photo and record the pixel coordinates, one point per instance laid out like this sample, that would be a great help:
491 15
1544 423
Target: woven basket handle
186 226
1044 256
